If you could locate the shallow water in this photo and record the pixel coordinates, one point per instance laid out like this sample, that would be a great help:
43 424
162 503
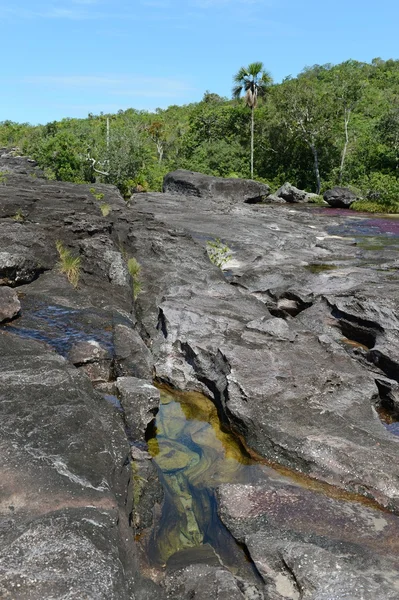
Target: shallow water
61 327
194 456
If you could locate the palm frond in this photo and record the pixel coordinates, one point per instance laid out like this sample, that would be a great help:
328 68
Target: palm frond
236 92
266 78
241 74
255 69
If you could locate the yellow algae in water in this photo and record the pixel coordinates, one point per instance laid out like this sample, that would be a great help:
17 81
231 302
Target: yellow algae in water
173 456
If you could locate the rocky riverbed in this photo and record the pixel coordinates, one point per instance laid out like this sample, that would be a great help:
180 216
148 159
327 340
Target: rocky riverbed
295 343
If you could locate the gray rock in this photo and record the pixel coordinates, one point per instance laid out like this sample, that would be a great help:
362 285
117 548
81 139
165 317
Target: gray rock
308 545
202 582
303 403
17 269
94 359
274 199
339 197
132 357
291 194
183 182
140 401
64 484
87 352
10 306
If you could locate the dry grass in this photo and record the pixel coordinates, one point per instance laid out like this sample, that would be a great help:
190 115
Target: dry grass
68 264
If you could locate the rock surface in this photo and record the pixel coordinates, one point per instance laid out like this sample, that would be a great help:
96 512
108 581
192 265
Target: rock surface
140 401
185 183
297 344
309 546
9 304
303 399
291 194
339 197
66 480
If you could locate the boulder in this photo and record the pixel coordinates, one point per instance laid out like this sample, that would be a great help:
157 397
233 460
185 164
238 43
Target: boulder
140 401
190 183
291 194
339 197
9 304
132 357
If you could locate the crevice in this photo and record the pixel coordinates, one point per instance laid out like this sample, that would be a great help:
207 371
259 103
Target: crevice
291 574
355 328
387 404
161 325
389 367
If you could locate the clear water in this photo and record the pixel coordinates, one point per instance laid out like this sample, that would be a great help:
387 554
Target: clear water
194 456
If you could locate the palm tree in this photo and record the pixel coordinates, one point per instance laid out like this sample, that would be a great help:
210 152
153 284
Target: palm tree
253 80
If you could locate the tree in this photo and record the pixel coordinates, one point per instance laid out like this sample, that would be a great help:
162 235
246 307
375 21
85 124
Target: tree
254 80
348 86
305 108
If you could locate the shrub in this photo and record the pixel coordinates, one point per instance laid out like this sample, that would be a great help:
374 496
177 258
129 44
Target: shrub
380 192
218 252
68 264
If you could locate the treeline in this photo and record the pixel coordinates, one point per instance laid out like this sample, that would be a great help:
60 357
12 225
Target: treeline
331 125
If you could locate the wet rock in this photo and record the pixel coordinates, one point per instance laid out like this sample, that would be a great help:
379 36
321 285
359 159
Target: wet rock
339 197
10 306
203 582
147 491
132 357
291 194
183 182
140 401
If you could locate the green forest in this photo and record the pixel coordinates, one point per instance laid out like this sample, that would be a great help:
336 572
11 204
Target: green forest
331 125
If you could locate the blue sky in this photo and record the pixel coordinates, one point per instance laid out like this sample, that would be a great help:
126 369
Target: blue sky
66 58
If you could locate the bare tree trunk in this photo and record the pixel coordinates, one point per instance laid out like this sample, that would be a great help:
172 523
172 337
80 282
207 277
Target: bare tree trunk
160 151
252 143
107 136
341 169
316 167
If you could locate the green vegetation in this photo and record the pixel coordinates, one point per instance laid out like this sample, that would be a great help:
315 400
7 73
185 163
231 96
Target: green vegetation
97 195
331 125
105 209
218 252
68 264
134 269
19 216
3 177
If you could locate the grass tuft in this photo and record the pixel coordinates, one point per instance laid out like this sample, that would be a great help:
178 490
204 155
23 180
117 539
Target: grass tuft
68 264
19 216
105 209
218 252
134 269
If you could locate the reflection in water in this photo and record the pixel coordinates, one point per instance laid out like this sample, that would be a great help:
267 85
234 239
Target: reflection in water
194 456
